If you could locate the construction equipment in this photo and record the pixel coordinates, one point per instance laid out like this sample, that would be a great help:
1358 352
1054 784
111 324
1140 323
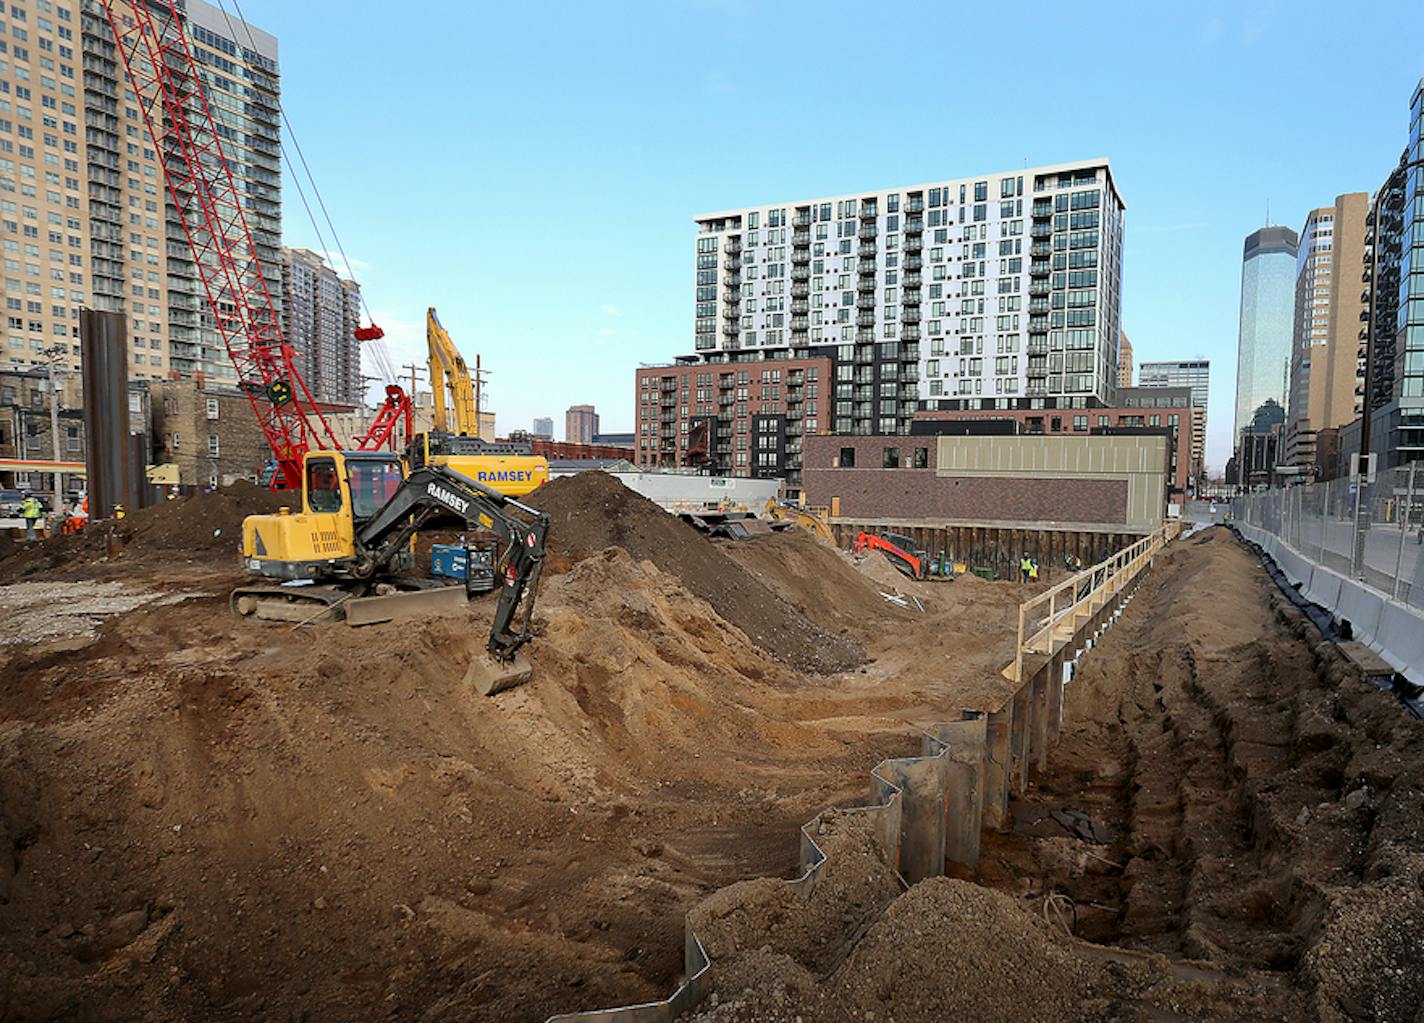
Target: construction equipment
163 73
344 552
902 552
805 518
454 441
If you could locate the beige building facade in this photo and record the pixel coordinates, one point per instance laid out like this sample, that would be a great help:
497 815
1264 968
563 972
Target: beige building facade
84 218
1327 357
1124 362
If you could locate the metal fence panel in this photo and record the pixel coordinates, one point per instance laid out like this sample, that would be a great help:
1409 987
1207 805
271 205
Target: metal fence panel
1373 532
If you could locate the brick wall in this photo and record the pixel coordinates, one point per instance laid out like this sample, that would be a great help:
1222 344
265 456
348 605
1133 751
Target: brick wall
183 424
869 491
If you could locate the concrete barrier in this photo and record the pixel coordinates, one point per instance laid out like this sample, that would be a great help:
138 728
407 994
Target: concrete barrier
1324 586
1400 637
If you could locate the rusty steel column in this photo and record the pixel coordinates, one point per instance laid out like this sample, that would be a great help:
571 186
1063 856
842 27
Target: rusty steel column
110 456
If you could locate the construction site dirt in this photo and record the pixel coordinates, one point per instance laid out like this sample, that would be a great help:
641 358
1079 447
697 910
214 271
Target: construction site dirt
206 817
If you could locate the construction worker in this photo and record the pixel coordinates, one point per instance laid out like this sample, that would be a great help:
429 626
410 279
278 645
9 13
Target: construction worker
1025 566
1033 570
119 511
31 511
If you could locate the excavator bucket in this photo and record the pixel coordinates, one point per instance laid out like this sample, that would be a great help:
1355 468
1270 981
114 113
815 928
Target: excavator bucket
489 675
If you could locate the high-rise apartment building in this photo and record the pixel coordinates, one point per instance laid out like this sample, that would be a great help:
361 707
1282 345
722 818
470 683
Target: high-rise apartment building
1194 374
323 311
993 291
1327 353
1124 362
580 424
91 221
242 83
43 183
1263 345
543 427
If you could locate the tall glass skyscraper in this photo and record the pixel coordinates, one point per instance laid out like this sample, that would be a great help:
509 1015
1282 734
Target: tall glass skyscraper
1263 348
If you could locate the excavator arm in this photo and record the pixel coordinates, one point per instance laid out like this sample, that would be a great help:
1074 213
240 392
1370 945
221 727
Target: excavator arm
432 490
448 373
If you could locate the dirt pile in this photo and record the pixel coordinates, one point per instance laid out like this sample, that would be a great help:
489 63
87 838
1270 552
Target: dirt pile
594 511
200 525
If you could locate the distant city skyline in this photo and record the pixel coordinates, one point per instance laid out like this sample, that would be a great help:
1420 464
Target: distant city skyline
1240 142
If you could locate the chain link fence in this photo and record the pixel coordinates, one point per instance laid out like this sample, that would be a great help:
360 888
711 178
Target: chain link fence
1373 532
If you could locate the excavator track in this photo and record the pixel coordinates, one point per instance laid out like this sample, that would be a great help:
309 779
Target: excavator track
296 604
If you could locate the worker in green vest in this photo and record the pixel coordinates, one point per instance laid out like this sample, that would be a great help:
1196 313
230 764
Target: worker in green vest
31 511
1025 566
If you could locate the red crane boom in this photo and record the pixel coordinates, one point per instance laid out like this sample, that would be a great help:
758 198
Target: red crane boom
163 73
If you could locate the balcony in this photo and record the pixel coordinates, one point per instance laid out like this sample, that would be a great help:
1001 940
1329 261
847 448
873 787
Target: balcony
867 233
800 305
910 353
865 300
863 336
1037 369
1037 348
909 316
802 219
911 296
731 313
1365 296
732 265
866 251
914 263
866 266
1038 305
868 212
1364 316
864 356
799 323
800 257
915 225
910 334
729 330
732 246
801 239
1042 209
865 285
1038 288
801 290
1038 268
732 298
800 273
1036 390
1038 325
731 281
865 320
914 206
914 244
911 280
1040 230
1040 249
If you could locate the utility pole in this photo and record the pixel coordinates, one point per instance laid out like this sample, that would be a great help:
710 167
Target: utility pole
52 361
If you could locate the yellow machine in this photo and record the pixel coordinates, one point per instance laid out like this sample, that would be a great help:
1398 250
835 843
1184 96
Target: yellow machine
454 442
807 520
346 552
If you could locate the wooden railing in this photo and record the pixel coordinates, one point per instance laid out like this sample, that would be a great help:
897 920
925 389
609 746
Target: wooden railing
1048 621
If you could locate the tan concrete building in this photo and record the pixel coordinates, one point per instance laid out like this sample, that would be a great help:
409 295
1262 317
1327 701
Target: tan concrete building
1124 362
1327 358
84 219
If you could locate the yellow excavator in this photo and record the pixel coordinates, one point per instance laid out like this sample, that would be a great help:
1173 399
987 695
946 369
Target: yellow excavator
807 520
454 442
347 552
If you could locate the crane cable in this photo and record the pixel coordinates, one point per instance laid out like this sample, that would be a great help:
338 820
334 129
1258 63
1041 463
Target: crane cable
378 349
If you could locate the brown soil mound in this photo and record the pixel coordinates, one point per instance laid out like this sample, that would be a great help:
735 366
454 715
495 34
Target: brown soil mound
593 511
203 524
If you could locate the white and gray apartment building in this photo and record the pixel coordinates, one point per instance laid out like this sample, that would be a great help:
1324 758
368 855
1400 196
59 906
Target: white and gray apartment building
999 291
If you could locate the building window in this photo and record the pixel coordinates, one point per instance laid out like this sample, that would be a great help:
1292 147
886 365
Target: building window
174 441
891 458
213 448
212 408
922 458
847 459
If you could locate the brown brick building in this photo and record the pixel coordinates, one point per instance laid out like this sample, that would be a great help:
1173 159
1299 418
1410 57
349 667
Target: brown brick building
746 419
1098 482
208 432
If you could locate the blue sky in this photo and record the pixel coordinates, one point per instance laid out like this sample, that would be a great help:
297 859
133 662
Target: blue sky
532 169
